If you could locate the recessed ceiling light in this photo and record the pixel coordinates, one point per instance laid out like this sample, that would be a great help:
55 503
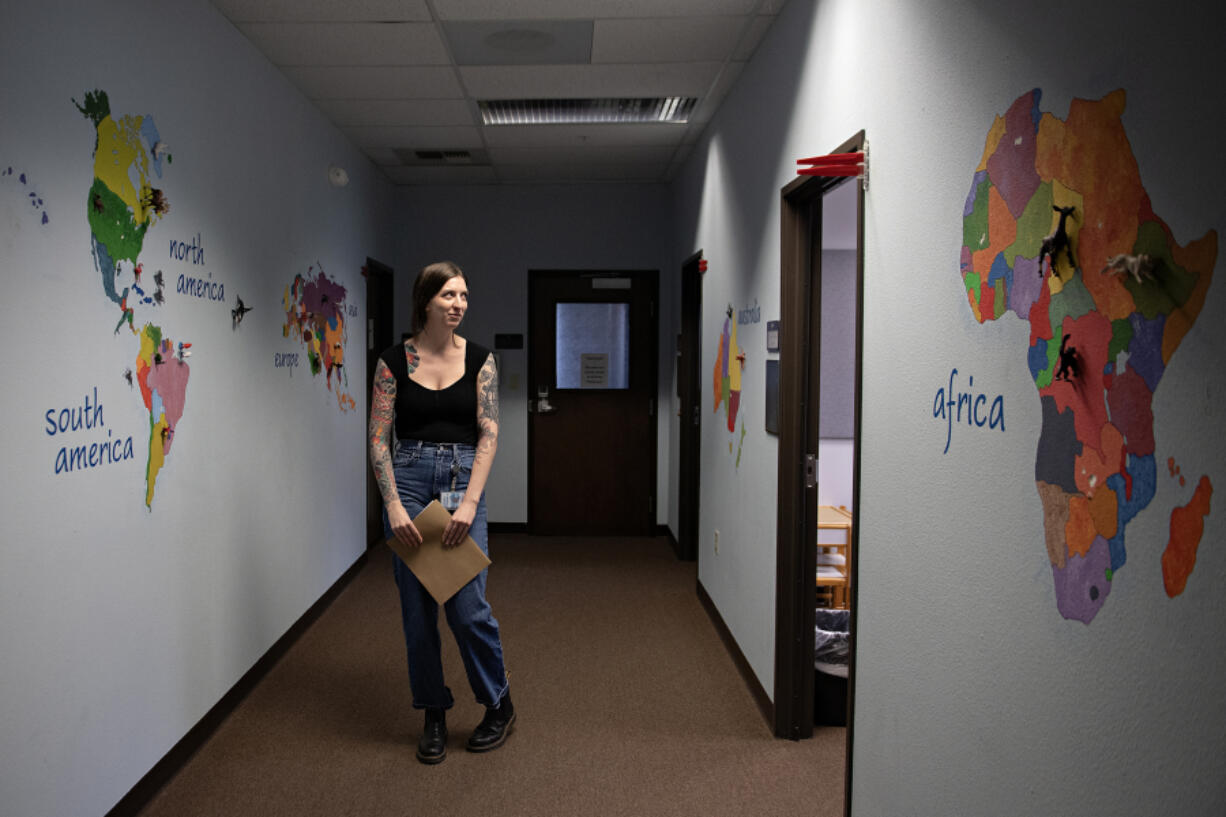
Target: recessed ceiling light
672 109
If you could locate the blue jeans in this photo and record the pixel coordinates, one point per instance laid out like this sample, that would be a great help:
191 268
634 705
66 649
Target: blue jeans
422 471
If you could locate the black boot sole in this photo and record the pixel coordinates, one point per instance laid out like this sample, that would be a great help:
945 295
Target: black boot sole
501 740
431 760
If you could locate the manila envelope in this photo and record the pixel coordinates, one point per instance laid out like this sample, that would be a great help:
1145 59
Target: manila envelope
442 571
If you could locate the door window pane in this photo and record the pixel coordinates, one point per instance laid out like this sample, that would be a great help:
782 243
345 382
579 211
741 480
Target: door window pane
593 346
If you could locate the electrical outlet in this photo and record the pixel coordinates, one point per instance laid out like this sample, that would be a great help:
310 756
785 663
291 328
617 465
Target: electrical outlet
717 541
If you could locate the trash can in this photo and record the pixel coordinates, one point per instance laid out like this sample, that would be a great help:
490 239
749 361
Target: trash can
831 651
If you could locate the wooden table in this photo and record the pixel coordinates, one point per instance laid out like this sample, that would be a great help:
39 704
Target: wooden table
837 578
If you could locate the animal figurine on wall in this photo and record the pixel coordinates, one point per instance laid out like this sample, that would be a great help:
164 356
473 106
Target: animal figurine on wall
160 281
155 200
1058 241
1140 267
237 313
1070 368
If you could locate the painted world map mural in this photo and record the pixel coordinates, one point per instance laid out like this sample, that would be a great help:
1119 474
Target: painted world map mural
122 205
1059 231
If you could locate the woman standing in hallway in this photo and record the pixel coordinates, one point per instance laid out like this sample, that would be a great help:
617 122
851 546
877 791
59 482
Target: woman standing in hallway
441 392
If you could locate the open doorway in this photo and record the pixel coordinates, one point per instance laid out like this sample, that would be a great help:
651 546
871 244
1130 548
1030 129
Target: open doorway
821 320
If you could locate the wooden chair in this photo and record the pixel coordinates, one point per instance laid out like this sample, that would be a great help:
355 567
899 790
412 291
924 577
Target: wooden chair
834 559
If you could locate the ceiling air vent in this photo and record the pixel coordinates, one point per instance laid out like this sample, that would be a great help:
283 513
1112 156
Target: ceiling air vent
675 109
445 158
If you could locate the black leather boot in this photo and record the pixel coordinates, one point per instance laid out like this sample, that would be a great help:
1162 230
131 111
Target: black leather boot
494 727
432 746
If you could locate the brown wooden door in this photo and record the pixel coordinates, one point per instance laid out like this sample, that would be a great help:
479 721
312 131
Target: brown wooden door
689 384
592 390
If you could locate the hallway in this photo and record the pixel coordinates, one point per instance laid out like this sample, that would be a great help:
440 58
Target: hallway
628 704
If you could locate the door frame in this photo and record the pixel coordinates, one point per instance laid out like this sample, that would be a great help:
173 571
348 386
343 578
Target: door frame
799 392
652 279
380 279
689 385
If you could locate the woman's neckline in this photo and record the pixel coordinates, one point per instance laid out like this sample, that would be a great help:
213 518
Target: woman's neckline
408 344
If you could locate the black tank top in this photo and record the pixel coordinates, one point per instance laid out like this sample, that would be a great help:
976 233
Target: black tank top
437 416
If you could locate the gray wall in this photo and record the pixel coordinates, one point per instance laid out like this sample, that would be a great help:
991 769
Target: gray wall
121 625
498 234
974 694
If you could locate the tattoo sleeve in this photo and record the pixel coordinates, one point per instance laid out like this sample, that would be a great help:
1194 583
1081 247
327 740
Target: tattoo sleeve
382 414
487 429
487 403
412 357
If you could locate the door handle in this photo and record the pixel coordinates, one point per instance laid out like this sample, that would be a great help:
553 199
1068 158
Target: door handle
543 406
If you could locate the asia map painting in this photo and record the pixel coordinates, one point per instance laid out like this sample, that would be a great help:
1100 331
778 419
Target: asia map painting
1059 230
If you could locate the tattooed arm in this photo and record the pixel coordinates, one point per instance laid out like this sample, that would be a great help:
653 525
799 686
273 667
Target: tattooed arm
487 446
382 413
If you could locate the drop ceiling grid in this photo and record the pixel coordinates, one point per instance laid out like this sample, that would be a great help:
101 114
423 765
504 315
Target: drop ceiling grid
375 82
396 87
348 43
587 9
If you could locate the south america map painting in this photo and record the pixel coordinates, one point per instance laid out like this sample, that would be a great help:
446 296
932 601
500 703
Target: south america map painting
1059 230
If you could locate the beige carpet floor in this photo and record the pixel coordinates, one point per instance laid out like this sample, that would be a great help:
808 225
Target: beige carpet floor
628 704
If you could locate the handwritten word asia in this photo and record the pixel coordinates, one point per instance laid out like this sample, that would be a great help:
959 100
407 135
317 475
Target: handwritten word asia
85 417
948 405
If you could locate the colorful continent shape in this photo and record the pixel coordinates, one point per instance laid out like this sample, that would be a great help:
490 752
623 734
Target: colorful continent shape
727 372
121 206
315 315
1053 206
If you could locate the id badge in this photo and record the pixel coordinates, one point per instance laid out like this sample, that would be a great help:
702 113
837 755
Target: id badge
451 499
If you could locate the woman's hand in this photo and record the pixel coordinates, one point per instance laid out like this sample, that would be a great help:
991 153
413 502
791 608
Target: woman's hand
402 526
461 522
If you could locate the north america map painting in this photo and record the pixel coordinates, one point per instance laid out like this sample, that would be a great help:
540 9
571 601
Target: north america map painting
1059 230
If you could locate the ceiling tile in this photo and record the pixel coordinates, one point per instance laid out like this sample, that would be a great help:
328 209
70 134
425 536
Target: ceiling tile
454 138
242 11
550 136
582 154
638 172
543 42
585 9
441 175
368 82
348 43
397 112
589 81
691 39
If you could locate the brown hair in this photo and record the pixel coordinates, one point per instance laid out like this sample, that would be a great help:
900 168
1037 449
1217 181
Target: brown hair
429 281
